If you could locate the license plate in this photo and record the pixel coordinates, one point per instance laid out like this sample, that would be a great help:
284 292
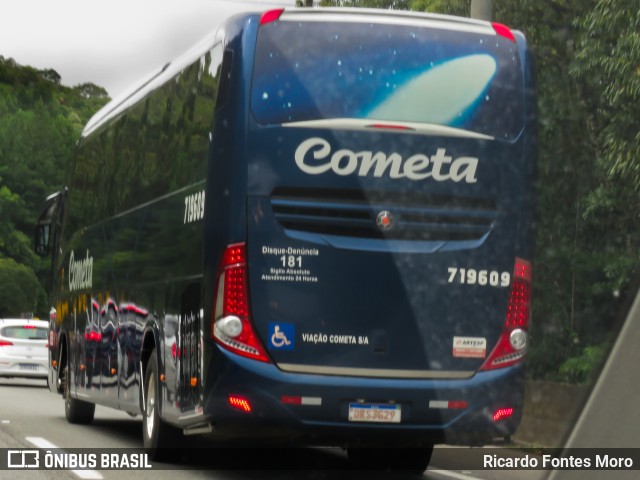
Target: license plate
378 413
31 367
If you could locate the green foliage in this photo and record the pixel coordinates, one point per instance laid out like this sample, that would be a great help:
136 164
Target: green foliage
28 89
448 7
583 368
21 291
608 62
40 121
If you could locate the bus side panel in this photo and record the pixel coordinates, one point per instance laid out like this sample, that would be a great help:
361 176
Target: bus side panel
133 234
529 167
225 206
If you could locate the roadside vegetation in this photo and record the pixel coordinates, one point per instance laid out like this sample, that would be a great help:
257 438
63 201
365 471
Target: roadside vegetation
40 122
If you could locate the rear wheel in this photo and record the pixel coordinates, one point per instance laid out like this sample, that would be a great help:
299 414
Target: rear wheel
162 440
76 411
410 460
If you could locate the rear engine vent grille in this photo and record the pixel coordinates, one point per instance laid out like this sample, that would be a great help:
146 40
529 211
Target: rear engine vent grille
393 216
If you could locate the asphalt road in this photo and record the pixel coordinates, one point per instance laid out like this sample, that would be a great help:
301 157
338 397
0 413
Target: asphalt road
31 416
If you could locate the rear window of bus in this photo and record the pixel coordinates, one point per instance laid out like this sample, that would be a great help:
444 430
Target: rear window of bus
407 73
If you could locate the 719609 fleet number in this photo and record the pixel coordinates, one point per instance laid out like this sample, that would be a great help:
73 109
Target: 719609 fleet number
471 276
194 207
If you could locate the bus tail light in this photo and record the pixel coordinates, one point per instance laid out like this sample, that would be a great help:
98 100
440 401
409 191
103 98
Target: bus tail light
511 347
239 402
271 16
502 413
232 326
503 31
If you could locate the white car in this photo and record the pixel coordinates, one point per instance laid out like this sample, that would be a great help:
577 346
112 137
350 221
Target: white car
23 348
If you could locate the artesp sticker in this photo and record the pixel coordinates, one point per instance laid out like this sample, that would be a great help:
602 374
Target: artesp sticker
469 347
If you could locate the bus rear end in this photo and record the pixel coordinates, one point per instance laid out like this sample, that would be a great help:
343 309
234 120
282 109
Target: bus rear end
381 291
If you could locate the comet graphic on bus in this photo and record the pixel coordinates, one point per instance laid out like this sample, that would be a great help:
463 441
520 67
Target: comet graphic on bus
442 94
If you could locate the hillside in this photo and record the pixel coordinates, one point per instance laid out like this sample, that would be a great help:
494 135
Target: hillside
40 122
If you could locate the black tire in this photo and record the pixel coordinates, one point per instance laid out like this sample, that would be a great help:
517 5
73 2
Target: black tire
77 411
409 460
160 439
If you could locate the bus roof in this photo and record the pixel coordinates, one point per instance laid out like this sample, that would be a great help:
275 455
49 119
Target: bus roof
398 17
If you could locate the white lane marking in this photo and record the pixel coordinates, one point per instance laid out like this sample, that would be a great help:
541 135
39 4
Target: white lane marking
6 422
44 443
450 474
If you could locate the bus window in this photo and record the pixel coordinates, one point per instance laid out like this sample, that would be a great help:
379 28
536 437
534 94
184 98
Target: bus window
388 72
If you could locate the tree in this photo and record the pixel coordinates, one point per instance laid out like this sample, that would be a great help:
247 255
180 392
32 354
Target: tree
40 121
21 291
91 90
50 75
449 7
608 62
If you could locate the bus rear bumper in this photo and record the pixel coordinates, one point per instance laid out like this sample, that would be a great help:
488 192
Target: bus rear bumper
253 399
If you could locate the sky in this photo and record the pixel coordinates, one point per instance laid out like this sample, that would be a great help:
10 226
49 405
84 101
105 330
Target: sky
112 43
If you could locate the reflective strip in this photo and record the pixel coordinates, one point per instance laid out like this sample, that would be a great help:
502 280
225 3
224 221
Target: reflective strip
449 404
373 372
297 400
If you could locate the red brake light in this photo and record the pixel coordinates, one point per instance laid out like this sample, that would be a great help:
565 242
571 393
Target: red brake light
511 347
5 343
231 325
93 337
240 403
235 298
29 326
503 31
502 413
234 254
520 302
271 16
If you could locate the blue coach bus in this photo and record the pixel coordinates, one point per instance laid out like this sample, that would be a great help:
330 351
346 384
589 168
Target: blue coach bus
317 226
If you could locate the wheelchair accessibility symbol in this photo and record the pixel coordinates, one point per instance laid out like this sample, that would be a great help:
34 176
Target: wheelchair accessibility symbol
282 336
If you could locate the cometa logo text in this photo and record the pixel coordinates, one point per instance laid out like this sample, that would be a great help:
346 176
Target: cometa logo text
314 156
80 272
